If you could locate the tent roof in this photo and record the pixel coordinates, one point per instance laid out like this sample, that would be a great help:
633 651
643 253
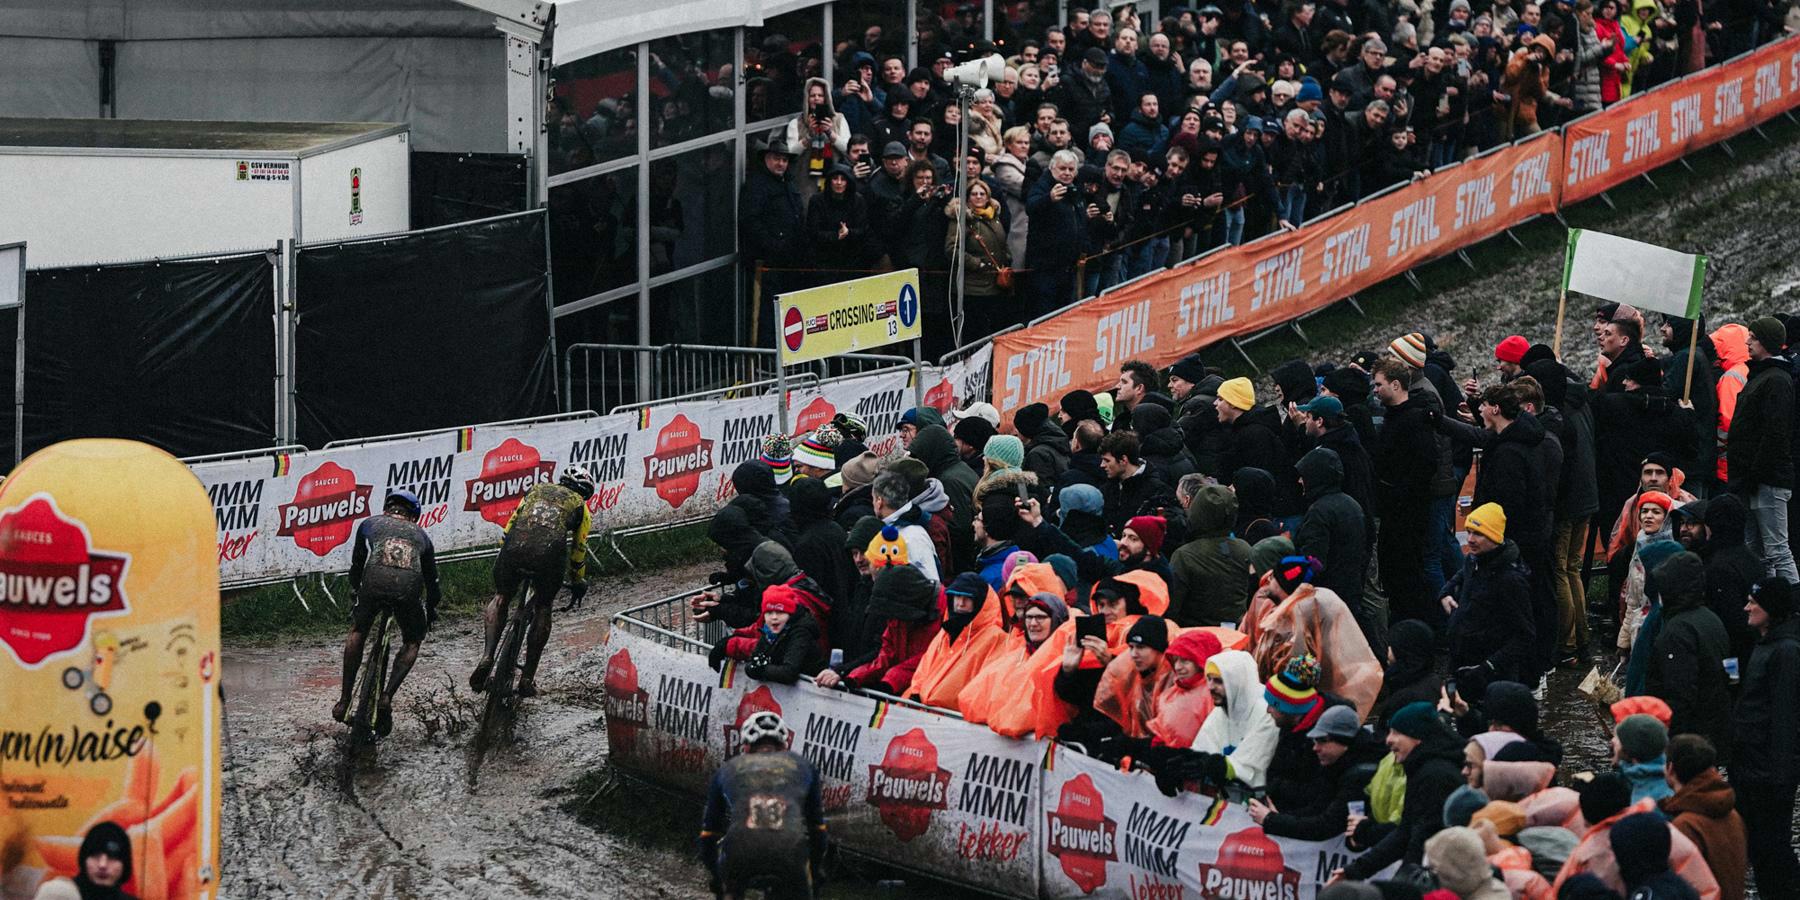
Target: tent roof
587 27
161 134
149 20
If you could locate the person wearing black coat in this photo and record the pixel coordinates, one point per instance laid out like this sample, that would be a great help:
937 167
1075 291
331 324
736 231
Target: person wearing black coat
819 539
771 218
1687 669
1566 416
1131 488
1255 490
1432 756
1676 332
1411 674
837 223
1406 460
1254 440
1204 438
1162 443
1765 739
779 657
1731 570
1491 626
1633 422
1759 448
1332 530
1057 236
1046 444
1334 432
1343 781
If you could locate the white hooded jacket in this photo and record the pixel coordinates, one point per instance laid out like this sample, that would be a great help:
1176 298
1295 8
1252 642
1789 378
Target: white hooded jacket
1241 730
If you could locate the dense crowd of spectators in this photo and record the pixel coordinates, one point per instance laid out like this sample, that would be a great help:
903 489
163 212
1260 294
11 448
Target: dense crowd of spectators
1277 596
1114 145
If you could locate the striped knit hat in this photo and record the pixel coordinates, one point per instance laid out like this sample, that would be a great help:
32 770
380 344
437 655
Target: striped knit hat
778 455
1410 348
819 449
1294 689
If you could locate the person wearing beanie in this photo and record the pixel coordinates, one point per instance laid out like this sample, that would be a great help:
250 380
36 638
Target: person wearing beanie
1409 348
1637 747
1182 700
1703 809
1333 528
911 608
1685 660
1002 452
1296 704
815 456
1509 356
916 418
1459 860
1239 394
1140 546
1640 844
1605 802
1046 443
1345 753
1759 451
104 863
1430 753
1491 629
778 455
783 646
1075 407
972 435
853 481
1655 542
973 631
1253 439
1764 771
1186 374
1103 403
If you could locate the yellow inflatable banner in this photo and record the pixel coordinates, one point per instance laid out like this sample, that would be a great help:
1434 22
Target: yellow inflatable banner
109 672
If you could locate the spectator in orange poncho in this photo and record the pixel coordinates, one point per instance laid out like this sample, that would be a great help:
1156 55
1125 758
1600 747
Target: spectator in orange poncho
997 685
1167 710
1604 801
1733 344
1498 824
973 631
1290 617
1077 680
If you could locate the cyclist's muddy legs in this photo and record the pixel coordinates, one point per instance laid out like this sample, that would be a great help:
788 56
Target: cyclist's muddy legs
540 635
353 647
403 664
491 617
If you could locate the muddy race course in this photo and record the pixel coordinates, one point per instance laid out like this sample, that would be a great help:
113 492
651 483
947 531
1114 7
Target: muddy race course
406 824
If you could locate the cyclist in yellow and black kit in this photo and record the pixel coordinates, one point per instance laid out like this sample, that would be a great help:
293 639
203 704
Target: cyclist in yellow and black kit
546 536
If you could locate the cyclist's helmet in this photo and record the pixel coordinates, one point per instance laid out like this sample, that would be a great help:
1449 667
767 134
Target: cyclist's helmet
403 498
578 480
765 726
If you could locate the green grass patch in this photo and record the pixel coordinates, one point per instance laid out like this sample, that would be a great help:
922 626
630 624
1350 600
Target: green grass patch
314 606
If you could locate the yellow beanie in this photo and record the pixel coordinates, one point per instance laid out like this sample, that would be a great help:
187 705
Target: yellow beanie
1489 521
1238 392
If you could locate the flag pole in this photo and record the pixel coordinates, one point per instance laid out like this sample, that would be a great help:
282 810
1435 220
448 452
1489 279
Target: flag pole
1687 386
1562 307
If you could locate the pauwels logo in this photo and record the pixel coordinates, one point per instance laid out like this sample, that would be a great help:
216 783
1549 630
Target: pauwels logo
55 581
909 785
817 414
1080 835
326 503
680 458
759 700
1249 866
507 473
627 705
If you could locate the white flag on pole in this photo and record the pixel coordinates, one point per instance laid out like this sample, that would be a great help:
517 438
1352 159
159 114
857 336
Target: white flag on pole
1633 272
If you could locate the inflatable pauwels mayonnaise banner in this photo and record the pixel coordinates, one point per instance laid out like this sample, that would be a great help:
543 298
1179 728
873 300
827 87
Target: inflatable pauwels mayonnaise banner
109 668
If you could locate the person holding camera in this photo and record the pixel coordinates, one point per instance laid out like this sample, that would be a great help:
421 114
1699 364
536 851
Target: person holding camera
986 305
1058 232
822 136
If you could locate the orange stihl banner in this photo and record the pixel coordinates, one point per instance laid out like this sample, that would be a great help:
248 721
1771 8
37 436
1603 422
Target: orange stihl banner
1241 290
1663 125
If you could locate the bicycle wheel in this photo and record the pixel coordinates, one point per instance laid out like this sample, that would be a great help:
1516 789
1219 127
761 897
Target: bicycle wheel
362 723
501 680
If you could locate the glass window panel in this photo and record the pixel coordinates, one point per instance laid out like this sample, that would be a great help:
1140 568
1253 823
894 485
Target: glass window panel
698 310
1018 21
601 379
953 26
693 202
593 234
593 110
691 80
778 58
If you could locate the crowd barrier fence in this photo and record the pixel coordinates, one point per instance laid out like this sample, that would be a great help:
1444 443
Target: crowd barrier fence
921 790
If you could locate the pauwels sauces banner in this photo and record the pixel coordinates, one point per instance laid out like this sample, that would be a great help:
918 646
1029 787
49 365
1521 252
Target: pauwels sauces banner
1658 127
1242 290
109 672
1113 834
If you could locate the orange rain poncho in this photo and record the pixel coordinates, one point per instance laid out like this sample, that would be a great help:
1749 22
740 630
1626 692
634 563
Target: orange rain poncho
950 662
1314 620
1127 696
995 685
1733 345
1161 707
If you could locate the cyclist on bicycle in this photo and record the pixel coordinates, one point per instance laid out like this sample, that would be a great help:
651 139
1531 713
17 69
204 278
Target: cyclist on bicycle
546 536
765 816
392 565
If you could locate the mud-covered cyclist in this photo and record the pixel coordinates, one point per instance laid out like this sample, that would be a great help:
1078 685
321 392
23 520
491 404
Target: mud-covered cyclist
546 537
765 817
394 566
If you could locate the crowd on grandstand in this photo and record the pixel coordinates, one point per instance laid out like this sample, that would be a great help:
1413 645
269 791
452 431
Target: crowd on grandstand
1277 596
1113 145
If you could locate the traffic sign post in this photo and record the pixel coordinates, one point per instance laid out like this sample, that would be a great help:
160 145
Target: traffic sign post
848 317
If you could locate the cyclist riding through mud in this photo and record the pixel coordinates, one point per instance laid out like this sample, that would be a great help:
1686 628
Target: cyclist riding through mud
765 817
545 537
393 565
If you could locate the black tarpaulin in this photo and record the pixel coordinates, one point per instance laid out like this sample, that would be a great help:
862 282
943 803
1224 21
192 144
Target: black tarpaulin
449 188
176 354
423 331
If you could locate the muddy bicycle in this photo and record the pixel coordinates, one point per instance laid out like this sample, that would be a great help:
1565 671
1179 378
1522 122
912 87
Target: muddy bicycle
370 679
502 682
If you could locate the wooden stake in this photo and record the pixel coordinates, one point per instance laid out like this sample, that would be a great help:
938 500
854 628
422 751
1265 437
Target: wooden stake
1687 386
1562 307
